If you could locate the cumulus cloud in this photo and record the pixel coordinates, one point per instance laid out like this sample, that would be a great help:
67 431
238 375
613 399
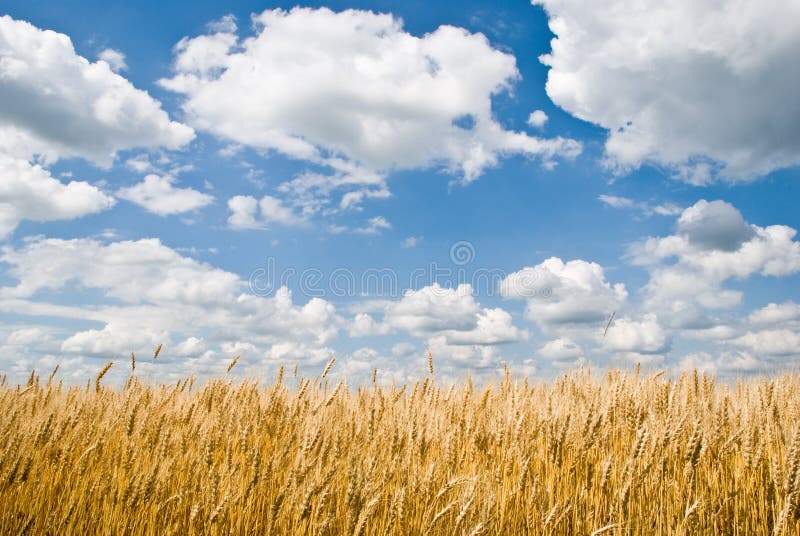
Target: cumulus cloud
354 89
493 326
432 309
29 192
374 226
365 325
191 347
723 363
243 212
247 212
148 292
56 104
114 58
561 351
537 119
458 357
113 340
713 244
559 293
449 319
776 314
642 336
682 84
715 225
773 342
158 195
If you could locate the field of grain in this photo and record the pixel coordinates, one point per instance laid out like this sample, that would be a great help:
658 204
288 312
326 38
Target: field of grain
612 453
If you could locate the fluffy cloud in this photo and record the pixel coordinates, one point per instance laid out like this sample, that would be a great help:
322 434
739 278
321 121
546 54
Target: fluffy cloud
559 293
314 84
561 351
247 212
713 244
450 316
433 309
113 340
537 119
644 336
493 326
29 192
715 225
773 342
682 83
148 293
56 104
114 58
191 347
374 226
364 326
457 357
157 194
724 363
775 314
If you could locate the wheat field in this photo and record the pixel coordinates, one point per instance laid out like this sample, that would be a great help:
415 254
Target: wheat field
612 453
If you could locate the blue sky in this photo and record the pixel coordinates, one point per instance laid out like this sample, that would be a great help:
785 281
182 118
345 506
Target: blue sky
160 164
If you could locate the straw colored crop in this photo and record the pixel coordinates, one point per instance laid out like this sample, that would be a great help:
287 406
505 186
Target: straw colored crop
613 454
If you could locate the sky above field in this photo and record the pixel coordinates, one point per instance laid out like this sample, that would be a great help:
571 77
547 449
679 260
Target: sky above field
486 181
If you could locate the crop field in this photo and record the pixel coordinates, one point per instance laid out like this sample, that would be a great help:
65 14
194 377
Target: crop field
611 453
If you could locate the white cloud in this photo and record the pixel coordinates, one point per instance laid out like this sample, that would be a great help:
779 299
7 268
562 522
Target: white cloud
646 208
272 210
56 104
715 225
313 84
113 340
243 212
247 212
374 226
726 362
449 315
27 336
616 201
403 349
458 357
706 88
411 241
666 209
433 309
149 291
29 192
776 314
114 58
559 293
537 119
226 24
561 351
365 326
493 326
713 244
157 194
139 163
191 347
775 342
644 336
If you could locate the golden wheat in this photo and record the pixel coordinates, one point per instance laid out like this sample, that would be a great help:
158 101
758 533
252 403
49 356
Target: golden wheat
615 454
